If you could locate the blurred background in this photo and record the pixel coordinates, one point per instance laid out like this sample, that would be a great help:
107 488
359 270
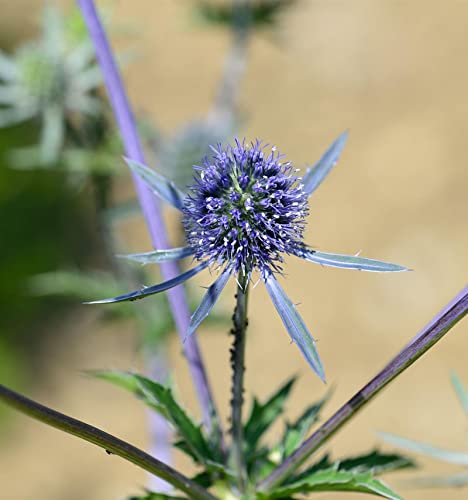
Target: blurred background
391 72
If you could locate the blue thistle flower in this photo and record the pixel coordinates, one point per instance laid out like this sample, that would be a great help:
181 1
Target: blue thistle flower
246 209
244 212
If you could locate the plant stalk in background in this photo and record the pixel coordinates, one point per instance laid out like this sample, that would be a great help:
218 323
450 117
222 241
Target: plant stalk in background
150 208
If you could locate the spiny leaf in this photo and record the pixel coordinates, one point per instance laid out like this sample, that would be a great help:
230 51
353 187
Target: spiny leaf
150 290
209 300
263 415
376 462
157 256
334 480
162 187
348 261
160 398
317 174
296 432
294 325
454 457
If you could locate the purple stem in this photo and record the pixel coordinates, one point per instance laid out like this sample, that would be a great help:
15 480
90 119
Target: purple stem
150 208
160 434
424 340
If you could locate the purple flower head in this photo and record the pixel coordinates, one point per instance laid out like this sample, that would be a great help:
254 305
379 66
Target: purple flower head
245 209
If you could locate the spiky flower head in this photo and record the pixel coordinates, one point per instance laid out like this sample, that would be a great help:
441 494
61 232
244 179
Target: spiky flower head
246 209
244 212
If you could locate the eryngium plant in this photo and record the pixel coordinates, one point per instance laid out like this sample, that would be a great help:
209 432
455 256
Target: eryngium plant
52 79
245 211
248 469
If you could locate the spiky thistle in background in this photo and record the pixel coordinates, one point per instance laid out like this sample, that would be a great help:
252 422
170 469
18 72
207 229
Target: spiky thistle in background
53 79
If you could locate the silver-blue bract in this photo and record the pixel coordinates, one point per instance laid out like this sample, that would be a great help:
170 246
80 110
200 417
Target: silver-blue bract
245 211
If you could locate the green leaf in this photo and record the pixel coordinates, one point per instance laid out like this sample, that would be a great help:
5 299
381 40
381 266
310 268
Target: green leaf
460 391
454 457
376 462
263 415
296 432
334 480
161 399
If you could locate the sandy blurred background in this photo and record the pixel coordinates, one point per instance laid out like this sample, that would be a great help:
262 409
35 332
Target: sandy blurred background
395 73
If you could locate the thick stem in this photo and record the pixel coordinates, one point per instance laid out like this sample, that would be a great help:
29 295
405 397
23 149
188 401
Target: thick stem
429 335
150 207
111 444
238 368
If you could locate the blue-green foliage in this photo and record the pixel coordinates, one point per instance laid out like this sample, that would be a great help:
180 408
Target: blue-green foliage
356 473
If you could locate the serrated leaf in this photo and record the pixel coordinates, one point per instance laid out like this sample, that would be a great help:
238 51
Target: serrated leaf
316 175
334 480
162 187
296 432
348 261
460 391
454 457
158 256
376 462
150 290
160 398
294 325
208 301
263 415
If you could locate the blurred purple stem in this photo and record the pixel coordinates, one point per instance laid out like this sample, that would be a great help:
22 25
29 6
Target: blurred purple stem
150 208
160 434
423 341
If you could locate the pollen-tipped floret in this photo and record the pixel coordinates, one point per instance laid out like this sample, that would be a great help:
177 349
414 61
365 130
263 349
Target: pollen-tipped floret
246 208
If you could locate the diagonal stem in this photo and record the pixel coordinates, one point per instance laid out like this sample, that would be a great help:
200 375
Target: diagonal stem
429 335
108 442
238 368
151 211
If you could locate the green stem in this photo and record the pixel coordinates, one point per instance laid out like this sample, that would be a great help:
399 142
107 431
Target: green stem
444 321
104 440
238 367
